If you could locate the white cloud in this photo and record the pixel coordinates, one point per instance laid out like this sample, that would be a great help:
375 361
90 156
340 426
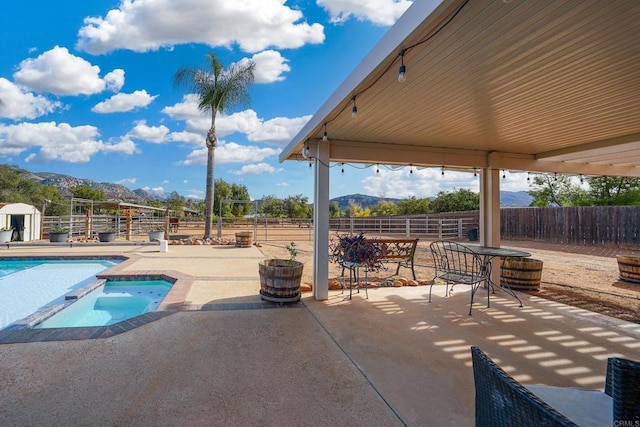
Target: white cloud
282 184
421 183
381 12
153 134
256 169
18 104
125 181
57 142
277 131
231 152
155 191
269 66
122 102
59 72
145 25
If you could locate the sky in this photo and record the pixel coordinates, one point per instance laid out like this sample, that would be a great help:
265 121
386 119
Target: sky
87 89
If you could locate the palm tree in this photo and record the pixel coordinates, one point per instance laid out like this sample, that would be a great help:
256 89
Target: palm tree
219 90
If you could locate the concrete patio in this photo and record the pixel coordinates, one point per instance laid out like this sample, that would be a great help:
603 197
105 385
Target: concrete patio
392 359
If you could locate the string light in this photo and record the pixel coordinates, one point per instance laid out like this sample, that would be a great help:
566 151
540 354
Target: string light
354 110
377 168
342 168
528 176
555 176
410 168
442 171
581 179
402 72
504 175
324 135
475 172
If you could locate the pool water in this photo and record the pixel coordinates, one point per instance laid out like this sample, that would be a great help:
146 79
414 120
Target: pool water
27 286
111 303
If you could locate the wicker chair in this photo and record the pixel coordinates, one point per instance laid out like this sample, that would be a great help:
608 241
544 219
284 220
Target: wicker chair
623 383
502 401
457 264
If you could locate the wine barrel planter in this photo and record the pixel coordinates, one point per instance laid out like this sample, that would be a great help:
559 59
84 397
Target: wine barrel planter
629 268
244 239
280 280
106 236
521 273
156 235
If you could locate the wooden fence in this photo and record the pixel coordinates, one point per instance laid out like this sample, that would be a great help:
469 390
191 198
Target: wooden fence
610 226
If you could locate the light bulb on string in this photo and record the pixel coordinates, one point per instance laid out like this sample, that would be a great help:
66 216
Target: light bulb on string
324 135
377 168
475 172
528 176
354 110
342 170
581 179
410 168
442 171
504 175
555 176
402 72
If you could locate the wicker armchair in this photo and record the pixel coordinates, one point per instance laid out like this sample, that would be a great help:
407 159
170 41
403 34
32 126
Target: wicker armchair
623 384
502 401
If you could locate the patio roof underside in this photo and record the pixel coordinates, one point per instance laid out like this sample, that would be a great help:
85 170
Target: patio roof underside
544 86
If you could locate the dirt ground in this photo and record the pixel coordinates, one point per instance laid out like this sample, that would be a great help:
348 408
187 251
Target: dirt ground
585 277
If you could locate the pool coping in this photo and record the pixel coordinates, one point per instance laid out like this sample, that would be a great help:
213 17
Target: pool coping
172 303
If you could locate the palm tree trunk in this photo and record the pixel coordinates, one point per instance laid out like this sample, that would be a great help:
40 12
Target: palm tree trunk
208 199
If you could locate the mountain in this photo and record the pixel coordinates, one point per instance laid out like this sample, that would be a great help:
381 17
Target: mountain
361 199
515 198
64 184
507 199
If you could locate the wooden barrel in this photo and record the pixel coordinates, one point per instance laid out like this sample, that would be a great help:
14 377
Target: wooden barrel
521 273
629 267
280 280
244 239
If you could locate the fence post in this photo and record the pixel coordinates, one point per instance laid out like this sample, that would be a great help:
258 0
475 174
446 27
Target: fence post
440 228
459 228
351 225
407 227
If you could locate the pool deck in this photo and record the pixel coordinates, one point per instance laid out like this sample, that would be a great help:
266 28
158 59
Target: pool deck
225 359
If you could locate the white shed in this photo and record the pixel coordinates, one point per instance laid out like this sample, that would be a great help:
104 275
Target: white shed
23 218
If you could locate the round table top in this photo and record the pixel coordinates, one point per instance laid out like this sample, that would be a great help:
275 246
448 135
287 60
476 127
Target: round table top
491 251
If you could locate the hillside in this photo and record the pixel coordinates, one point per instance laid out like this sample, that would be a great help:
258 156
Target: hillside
507 199
64 184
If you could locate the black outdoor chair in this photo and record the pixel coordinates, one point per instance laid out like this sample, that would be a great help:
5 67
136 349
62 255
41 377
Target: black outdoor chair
457 264
623 385
503 401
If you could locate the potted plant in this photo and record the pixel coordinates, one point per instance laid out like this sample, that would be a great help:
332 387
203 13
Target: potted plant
6 234
156 234
280 278
58 234
108 235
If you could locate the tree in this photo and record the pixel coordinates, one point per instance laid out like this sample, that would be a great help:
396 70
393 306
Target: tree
334 210
297 207
384 208
412 205
218 91
461 200
226 191
175 203
554 190
272 207
88 193
16 187
611 191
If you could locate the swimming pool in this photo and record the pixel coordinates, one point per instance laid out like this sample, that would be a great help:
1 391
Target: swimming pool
114 301
29 285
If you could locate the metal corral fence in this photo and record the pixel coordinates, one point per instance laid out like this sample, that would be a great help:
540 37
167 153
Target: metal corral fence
611 226
89 226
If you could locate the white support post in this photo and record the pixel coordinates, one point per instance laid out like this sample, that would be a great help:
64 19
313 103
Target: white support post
407 227
321 224
490 215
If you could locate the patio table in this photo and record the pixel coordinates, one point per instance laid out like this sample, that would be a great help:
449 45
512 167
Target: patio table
490 252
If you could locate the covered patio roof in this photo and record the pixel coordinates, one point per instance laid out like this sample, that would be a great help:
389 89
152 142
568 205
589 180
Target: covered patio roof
545 86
